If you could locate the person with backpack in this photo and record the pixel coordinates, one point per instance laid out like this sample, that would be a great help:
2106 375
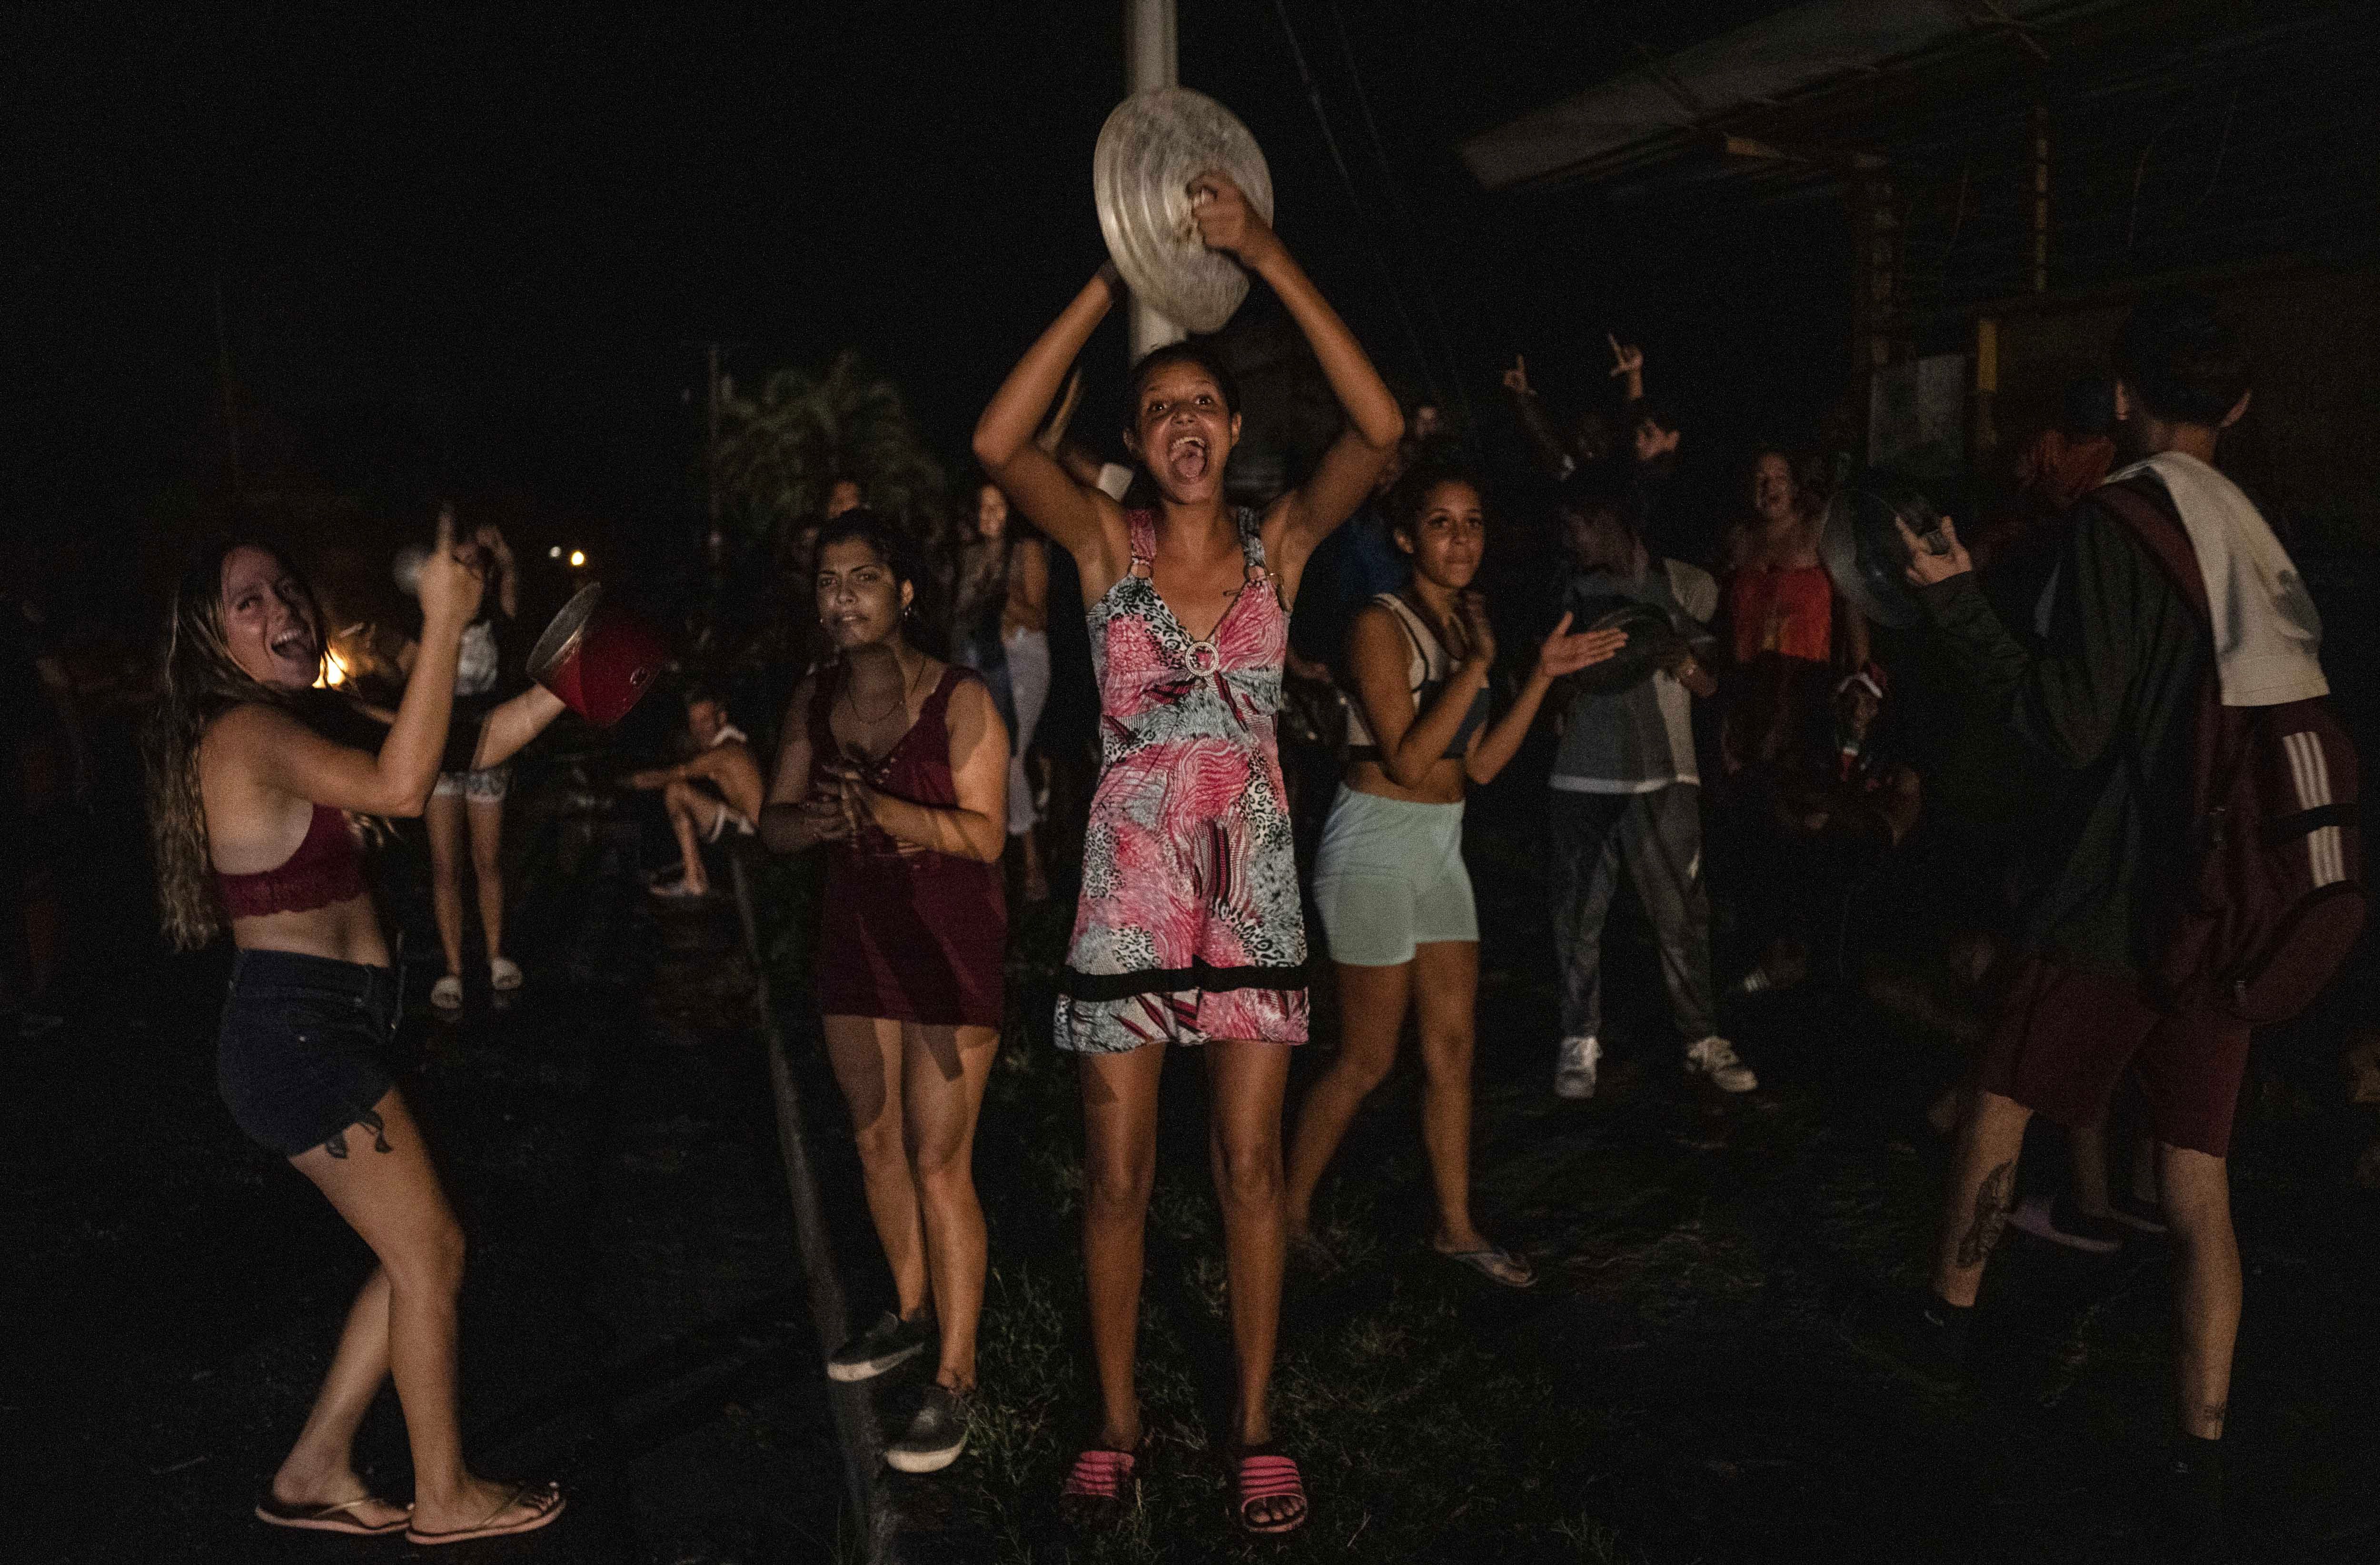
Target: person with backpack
2201 874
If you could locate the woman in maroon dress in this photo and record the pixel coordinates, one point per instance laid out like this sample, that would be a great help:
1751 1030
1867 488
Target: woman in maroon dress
899 763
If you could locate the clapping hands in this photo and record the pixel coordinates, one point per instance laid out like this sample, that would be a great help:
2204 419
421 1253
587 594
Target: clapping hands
1565 651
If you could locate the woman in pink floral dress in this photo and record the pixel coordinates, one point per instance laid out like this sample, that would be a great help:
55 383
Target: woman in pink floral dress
1189 929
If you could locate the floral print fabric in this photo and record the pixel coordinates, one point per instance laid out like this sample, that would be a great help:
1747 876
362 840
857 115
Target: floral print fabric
1189 926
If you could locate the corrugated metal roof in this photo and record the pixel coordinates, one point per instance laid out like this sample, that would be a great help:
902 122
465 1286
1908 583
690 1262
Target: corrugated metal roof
1655 108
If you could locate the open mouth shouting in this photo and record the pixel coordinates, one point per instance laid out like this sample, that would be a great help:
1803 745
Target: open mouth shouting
294 646
1187 455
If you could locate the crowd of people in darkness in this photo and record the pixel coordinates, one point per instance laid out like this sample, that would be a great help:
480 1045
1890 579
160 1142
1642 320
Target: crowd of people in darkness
1978 824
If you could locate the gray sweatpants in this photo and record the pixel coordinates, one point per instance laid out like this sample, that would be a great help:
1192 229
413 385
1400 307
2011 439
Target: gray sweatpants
1659 836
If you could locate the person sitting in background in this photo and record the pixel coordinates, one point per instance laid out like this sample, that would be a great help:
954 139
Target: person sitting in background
715 791
1626 791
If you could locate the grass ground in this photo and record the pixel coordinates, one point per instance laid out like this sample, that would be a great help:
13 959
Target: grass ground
1682 1385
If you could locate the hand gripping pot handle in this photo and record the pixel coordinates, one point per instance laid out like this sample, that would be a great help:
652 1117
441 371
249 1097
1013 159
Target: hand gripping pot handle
598 657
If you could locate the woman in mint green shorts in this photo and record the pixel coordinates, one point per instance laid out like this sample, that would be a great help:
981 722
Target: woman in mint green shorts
1388 878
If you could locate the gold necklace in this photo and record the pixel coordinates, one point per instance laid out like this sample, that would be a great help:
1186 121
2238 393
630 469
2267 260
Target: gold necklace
907 683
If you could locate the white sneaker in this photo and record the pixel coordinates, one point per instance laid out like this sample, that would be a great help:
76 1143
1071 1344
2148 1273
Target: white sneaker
1574 1070
1715 1058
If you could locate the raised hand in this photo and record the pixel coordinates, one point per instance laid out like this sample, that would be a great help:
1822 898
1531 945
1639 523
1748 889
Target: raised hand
1564 653
1516 379
1225 220
1925 566
453 577
1627 359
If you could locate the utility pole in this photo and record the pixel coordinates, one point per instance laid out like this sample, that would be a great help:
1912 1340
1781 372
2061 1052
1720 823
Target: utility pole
1150 60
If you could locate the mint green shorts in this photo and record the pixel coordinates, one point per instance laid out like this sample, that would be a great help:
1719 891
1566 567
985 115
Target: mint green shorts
1389 876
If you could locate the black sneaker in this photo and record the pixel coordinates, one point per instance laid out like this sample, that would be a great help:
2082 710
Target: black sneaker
1923 1339
889 1342
936 1435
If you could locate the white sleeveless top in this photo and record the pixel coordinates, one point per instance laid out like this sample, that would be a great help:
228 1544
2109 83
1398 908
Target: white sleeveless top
1427 669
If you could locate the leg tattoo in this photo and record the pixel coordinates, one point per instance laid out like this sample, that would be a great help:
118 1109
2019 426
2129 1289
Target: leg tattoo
1991 1215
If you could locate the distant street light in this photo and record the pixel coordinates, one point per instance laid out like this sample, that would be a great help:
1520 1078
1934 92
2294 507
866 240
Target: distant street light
578 559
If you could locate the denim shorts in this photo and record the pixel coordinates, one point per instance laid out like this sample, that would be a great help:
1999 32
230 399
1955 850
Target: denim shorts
487 786
302 1054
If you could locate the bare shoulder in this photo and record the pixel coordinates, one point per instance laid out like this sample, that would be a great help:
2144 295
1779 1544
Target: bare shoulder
971 696
237 733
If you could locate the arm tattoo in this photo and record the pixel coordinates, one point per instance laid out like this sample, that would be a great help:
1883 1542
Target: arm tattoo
369 1118
1991 1215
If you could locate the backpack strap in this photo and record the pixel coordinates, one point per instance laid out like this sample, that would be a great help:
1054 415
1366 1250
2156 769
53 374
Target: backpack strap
2162 534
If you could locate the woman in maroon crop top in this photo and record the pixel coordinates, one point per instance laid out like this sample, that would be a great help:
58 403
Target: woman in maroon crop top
249 804
900 763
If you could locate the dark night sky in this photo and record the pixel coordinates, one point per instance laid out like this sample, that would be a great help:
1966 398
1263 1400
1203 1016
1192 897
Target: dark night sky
475 247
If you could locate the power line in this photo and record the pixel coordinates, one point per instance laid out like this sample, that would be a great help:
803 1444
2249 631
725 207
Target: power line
1405 219
1347 177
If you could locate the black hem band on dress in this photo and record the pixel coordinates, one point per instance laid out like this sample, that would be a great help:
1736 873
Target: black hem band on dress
1199 976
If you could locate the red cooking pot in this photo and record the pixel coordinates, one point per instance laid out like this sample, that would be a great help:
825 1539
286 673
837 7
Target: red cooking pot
598 657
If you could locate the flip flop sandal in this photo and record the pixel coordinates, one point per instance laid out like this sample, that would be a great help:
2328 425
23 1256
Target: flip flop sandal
503 974
339 1518
1102 1487
678 890
1260 1474
547 1498
447 993
1500 1266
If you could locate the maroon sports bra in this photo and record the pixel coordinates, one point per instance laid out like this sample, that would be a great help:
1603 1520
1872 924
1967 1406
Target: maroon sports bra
325 869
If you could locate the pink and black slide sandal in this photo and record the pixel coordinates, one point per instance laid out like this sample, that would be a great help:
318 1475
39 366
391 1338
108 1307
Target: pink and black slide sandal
1101 1487
1262 1474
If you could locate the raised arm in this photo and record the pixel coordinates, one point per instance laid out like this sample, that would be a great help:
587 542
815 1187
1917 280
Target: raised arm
282 754
505 575
513 724
1082 521
1546 444
1349 469
2068 699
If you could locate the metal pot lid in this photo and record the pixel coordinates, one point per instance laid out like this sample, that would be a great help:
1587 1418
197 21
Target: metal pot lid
1863 552
1150 148
560 637
1653 640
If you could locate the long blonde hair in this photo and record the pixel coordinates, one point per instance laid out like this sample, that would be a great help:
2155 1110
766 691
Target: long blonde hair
198 680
